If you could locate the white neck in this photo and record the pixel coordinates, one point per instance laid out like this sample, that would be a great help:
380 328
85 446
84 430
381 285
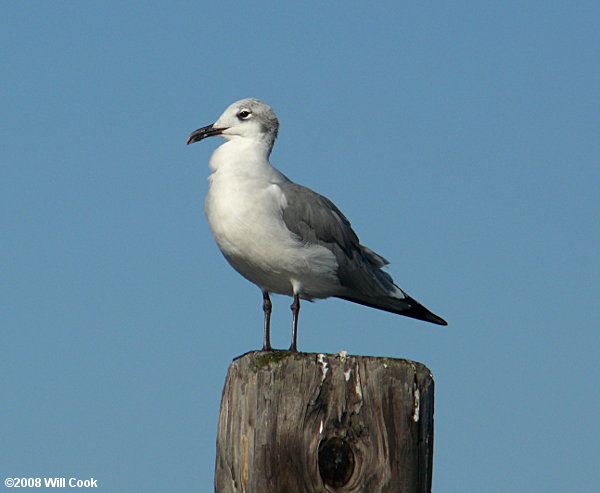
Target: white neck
242 155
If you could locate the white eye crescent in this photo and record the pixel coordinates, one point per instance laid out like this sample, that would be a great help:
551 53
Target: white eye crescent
244 114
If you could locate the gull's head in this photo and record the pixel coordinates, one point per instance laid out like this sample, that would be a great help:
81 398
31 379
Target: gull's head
246 119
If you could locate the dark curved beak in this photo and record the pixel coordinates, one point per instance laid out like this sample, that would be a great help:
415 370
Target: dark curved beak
202 133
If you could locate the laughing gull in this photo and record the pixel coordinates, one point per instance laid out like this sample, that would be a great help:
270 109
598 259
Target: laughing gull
284 237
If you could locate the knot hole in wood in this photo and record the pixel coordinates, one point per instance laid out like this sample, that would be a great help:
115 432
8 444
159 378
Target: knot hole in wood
336 462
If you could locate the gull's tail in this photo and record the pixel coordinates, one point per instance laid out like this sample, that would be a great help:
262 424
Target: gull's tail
367 284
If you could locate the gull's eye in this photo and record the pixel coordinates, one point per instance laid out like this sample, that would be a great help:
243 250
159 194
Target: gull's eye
244 114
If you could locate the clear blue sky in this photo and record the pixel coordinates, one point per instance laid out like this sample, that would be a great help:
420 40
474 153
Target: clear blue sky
462 139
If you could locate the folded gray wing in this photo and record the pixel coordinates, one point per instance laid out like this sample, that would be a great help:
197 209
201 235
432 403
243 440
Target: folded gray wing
316 220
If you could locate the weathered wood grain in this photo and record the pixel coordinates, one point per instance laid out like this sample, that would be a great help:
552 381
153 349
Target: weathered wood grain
312 423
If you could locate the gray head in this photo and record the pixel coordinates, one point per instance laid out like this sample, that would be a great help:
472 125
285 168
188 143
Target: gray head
248 118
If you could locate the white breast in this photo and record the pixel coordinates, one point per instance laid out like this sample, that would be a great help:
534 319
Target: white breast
245 207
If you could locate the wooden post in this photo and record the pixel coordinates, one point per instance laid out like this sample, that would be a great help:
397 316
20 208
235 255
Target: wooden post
313 423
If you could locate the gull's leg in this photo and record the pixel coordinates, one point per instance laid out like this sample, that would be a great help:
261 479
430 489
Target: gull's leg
267 334
295 311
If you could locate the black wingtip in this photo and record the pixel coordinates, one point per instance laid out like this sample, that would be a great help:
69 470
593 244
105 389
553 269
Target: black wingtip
434 319
419 312
407 307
